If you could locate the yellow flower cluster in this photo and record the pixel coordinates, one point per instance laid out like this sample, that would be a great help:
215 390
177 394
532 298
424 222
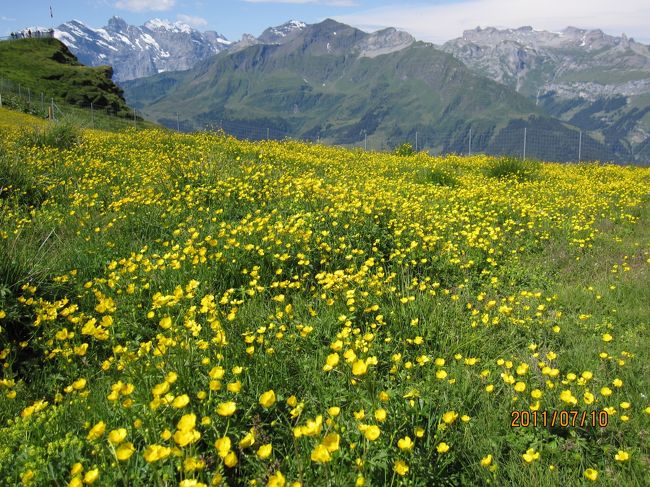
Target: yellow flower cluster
292 314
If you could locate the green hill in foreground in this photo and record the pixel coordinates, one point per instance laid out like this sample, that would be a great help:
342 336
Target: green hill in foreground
47 66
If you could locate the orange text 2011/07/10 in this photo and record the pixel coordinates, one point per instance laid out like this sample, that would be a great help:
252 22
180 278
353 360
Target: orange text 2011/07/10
563 419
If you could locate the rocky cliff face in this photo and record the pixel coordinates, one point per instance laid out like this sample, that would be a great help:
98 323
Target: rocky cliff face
330 37
282 33
573 63
384 41
599 82
135 52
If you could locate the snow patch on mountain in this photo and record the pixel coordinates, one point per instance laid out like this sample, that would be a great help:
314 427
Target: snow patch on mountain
157 46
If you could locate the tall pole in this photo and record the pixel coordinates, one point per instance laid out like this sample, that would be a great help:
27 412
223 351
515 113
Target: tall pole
580 147
524 143
470 142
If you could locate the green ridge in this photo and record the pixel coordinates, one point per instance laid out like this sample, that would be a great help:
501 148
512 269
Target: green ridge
46 65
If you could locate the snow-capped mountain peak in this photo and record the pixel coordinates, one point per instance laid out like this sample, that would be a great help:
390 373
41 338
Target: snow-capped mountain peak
157 46
282 33
163 24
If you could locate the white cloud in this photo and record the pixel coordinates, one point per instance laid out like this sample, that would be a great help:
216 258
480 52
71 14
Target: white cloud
7 19
192 21
329 3
145 5
442 22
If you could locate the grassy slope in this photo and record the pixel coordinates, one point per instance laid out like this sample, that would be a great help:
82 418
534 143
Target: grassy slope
11 119
113 211
47 66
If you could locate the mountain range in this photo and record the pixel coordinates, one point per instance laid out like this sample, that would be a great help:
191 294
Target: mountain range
332 82
571 80
595 81
136 52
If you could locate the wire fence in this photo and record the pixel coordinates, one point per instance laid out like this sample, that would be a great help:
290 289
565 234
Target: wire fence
39 33
554 143
89 114
518 139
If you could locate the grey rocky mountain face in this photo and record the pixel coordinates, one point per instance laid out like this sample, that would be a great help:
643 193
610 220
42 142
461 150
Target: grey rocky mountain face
574 62
371 45
135 52
282 33
159 46
596 81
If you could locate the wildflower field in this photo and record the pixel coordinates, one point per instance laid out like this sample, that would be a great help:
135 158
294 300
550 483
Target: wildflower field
196 310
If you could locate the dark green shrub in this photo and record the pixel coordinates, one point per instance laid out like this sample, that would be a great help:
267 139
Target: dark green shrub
511 167
405 149
438 177
59 135
16 180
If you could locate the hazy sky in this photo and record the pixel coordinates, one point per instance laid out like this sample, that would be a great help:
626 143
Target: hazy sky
435 21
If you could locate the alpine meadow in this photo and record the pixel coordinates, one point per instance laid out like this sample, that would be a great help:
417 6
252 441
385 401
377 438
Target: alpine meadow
192 309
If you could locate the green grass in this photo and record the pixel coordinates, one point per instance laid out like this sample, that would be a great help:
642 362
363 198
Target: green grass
438 176
510 167
605 77
46 65
35 72
426 258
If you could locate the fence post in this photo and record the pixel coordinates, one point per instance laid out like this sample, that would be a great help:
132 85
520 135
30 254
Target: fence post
524 158
134 122
0 100
178 123
267 133
416 141
470 142
580 147
365 140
